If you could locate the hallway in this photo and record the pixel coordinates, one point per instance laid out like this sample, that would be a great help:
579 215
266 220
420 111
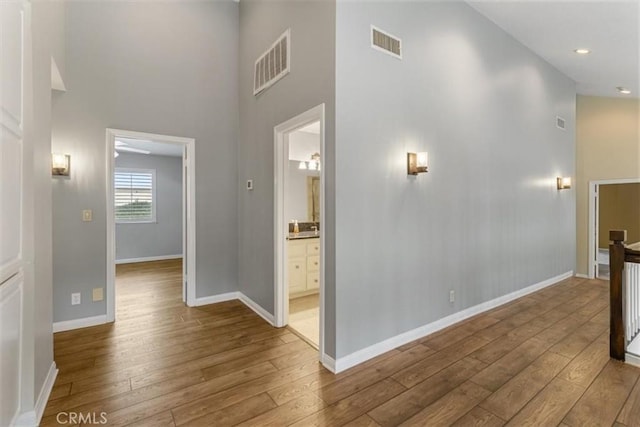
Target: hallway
542 359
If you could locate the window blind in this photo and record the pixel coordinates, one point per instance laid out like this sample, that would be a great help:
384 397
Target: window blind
134 195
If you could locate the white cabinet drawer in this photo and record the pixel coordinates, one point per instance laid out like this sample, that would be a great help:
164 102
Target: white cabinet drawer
313 247
313 280
313 263
297 249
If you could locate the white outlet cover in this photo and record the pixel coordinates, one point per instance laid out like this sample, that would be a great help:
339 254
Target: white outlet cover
76 299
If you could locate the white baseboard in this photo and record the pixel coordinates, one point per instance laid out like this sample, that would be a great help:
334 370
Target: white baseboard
582 276
85 322
257 308
357 357
328 362
217 298
45 391
632 359
33 417
239 296
148 258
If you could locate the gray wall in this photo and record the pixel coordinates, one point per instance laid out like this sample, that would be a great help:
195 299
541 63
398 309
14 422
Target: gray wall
487 219
164 236
310 83
48 41
160 67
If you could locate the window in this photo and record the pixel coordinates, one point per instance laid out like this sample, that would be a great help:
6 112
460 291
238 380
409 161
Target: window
135 195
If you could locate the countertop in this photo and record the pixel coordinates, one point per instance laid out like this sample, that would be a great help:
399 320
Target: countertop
303 235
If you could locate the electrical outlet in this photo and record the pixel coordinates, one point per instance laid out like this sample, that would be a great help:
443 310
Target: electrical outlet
452 295
97 294
75 299
87 215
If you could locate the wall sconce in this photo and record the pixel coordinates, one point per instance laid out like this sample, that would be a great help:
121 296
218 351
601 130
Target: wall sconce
417 163
60 164
564 182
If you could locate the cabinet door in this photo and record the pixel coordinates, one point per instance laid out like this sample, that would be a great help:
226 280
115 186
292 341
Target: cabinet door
297 249
297 275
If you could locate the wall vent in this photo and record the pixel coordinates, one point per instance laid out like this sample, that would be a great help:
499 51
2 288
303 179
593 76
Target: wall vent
274 64
560 123
385 42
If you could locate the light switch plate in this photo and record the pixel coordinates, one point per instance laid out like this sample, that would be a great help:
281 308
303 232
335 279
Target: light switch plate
249 184
87 215
98 294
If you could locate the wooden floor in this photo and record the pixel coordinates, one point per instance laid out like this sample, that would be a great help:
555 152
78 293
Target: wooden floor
541 360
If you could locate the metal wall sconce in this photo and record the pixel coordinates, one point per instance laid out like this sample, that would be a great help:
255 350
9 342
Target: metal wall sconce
417 163
60 164
564 182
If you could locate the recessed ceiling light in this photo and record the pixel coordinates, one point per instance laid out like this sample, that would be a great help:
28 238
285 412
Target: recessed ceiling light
623 90
582 51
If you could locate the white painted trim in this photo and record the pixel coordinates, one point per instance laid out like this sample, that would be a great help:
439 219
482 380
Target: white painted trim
281 286
370 352
592 219
213 299
45 392
229 296
85 322
189 219
582 276
257 308
148 259
328 362
632 359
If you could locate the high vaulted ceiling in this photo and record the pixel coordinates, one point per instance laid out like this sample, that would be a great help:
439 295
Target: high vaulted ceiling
554 29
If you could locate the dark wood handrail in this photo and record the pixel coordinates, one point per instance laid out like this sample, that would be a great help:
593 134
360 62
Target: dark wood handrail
619 253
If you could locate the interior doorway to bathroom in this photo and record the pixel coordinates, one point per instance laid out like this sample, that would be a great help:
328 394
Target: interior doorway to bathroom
299 269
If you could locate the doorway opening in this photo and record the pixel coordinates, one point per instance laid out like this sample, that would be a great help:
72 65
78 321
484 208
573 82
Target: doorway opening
150 220
613 205
299 231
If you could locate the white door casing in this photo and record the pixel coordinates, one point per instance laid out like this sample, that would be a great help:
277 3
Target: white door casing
188 219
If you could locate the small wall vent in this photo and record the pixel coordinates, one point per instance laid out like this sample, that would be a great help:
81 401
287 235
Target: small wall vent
385 42
274 64
560 123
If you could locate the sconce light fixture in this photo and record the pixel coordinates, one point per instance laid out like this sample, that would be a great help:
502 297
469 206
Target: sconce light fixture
564 182
417 163
60 164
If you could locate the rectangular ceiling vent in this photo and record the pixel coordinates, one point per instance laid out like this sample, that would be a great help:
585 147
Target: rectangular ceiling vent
560 123
274 64
385 42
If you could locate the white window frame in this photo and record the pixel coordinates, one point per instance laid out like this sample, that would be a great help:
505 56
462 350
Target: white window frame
153 196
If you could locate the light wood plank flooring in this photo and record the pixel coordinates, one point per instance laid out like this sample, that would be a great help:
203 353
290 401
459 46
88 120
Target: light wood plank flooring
304 318
540 360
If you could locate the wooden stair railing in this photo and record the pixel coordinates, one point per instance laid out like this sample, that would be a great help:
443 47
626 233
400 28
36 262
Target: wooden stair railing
619 293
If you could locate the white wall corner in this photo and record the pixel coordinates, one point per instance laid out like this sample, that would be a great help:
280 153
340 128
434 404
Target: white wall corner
360 356
257 308
328 362
56 78
45 392
85 322
213 299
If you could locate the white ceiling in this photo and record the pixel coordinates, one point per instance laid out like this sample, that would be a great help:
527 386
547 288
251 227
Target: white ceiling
154 148
553 29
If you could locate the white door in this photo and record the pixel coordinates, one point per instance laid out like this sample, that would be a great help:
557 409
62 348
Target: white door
15 224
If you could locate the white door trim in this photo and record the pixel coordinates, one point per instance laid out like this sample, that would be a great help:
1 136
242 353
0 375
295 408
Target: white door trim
280 136
189 219
594 213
